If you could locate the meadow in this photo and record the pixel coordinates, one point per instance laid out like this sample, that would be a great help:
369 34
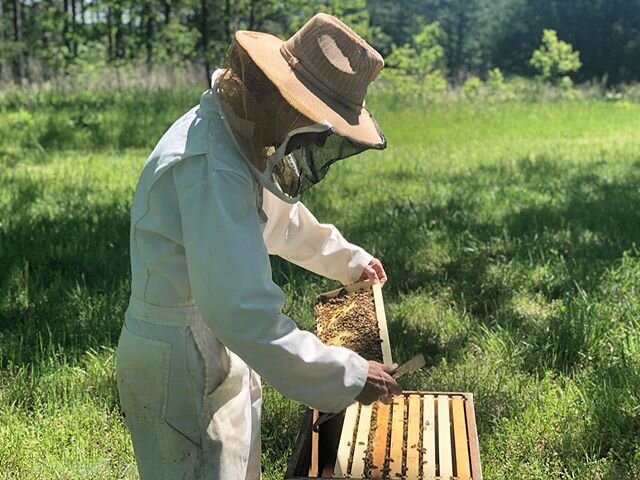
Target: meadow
509 232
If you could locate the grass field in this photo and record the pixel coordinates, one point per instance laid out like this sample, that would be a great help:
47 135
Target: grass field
509 233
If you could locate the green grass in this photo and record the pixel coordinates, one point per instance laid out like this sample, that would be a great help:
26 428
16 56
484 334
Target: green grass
509 233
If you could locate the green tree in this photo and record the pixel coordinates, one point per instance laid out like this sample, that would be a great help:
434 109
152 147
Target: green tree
353 13
416 67
555 58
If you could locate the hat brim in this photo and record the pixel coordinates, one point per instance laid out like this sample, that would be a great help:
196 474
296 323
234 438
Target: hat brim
264 50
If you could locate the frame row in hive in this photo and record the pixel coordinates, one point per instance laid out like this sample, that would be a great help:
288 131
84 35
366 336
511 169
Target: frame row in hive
418 437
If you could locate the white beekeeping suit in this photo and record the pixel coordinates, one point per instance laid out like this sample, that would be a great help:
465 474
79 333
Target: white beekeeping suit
204 322
197 237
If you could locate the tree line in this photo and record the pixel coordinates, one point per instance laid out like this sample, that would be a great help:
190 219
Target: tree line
42 39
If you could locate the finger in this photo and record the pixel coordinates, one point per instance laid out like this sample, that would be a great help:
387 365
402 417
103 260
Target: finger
396 389
382 275
376 266
371 274
366 273
386 399
389 368
393 386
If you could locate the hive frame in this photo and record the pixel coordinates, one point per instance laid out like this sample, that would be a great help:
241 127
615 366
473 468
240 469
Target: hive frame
379 306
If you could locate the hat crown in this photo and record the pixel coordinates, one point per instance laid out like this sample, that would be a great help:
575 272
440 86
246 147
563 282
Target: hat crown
332 57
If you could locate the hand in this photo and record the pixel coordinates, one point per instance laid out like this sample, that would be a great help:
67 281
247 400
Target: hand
374 272
380 385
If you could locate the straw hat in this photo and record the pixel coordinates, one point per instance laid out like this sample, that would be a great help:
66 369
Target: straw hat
323 71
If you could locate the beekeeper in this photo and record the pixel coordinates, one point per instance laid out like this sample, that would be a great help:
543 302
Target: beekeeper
217 195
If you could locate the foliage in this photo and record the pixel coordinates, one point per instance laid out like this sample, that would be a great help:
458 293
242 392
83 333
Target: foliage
472 87
480 34
495 80
58 36
353 13
554 59
415 67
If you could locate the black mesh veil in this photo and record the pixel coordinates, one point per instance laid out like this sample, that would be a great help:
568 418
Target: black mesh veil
263 123
309 165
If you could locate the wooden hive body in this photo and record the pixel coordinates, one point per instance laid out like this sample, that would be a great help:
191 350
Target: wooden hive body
421 435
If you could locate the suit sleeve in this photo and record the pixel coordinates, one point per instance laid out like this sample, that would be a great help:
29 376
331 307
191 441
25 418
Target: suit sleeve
293 233
230 278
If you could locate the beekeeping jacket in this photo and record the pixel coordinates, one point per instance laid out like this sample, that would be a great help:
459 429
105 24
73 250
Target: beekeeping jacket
204 323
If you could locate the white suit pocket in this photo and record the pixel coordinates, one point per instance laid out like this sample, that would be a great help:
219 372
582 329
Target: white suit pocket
143 376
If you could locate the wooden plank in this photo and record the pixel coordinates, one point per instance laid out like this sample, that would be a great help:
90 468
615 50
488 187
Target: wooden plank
413 437
327 471
444 438
382 324
344 447
429 438
362 441
299 454
397 437
347 289
329 436
463 468
313 465
380 441
472 437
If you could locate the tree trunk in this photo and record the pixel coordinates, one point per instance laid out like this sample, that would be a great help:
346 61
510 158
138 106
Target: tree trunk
65 28
74 38
148 13
462 20
82 13
205 37
1 37
131 32
18 61
118 34
109 33
227 22
252 15
167 12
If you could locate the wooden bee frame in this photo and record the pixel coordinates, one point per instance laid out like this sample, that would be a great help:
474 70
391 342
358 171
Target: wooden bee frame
432 436
376 292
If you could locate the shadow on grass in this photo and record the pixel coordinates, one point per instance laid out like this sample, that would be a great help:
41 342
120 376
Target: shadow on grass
580 230
64 278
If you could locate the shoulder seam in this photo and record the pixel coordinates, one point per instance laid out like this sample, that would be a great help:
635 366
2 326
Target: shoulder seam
206 179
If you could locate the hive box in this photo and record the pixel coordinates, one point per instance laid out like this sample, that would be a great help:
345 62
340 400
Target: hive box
421 435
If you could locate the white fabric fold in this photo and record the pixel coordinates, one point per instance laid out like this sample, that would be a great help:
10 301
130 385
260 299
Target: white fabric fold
293 233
